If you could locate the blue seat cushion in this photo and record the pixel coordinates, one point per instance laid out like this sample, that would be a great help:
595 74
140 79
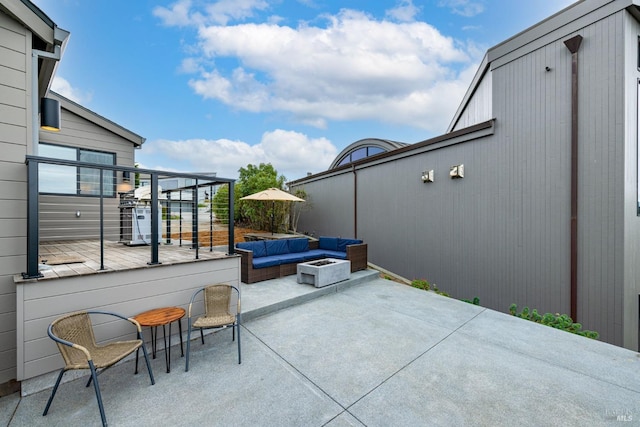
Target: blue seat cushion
314 254
335 254
329 243
265 261
298 245
343 243
289 258
276 247
258 248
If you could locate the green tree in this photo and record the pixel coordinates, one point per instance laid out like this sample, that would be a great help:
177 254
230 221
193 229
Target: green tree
220 203
257 178
257 214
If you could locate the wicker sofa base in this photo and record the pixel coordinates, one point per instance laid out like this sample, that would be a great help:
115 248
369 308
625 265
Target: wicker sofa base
356 254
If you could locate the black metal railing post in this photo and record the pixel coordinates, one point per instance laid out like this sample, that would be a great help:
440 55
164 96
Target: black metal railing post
101 220
155 220
210 200
195 244
231 220
168 213
180 223
33 226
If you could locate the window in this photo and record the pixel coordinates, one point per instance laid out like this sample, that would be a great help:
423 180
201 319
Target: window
360 153
59 179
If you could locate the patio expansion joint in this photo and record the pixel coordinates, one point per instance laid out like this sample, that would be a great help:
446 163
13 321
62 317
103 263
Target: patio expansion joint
550 361
279 356
409 363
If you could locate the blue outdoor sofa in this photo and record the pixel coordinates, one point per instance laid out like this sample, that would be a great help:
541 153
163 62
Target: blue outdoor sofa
270 259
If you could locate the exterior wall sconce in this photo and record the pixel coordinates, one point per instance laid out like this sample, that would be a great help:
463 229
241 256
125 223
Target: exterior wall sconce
456 172
427 176
49 114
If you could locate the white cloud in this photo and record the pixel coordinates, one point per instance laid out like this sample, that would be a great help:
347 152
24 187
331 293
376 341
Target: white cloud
354 68
405 11
223 11
179 14
467 8
64 88
292 154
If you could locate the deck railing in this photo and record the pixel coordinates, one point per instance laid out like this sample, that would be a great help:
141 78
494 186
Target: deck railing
72 200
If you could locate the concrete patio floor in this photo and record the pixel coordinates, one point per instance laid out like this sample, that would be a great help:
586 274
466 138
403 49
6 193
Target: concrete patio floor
368 352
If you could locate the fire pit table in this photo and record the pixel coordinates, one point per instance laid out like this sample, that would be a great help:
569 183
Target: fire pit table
323 272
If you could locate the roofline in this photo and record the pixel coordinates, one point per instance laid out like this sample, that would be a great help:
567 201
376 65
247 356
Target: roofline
97 119
532 37
475 82
571 14
456 137
31 17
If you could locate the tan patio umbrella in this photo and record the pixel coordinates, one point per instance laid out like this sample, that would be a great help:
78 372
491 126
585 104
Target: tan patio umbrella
273 194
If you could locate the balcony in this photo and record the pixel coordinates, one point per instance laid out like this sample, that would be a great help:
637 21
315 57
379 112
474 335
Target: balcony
86 218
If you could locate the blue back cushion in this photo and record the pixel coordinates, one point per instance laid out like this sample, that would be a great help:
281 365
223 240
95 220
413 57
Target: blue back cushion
343 243
276 247
329 243
258 248
298 245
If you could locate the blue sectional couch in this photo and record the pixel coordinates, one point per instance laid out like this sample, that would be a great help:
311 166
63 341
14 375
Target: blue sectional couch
269 259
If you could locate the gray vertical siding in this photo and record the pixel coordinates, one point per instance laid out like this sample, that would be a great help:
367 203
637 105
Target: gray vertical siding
14 119
479 107
333 207
503 232
600 204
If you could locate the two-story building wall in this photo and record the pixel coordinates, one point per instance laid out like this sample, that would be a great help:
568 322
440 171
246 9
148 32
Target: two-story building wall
27 33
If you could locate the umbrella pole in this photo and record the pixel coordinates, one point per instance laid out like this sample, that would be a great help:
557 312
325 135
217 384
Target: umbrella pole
273 206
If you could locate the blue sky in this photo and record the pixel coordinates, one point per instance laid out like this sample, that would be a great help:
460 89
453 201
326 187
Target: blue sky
217 85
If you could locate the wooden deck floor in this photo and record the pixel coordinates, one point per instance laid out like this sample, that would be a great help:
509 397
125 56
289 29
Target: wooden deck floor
82 257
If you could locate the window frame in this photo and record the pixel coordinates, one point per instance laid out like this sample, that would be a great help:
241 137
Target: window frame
78 174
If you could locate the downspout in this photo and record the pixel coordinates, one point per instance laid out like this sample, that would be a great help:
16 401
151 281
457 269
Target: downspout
573 44
355 202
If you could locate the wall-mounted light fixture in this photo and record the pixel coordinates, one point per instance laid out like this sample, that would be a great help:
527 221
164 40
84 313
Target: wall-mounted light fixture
456 171
427 176
49 114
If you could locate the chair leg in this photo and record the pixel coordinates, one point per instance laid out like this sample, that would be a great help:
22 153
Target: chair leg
202 335
238 317
53 392
239 353
146 359
94 375
186 366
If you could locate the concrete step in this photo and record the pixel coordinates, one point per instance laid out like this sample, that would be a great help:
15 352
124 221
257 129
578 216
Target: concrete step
262 298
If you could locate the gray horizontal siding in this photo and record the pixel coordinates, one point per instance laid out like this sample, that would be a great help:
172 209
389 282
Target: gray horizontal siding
58 220
79 132
14 47
126 292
